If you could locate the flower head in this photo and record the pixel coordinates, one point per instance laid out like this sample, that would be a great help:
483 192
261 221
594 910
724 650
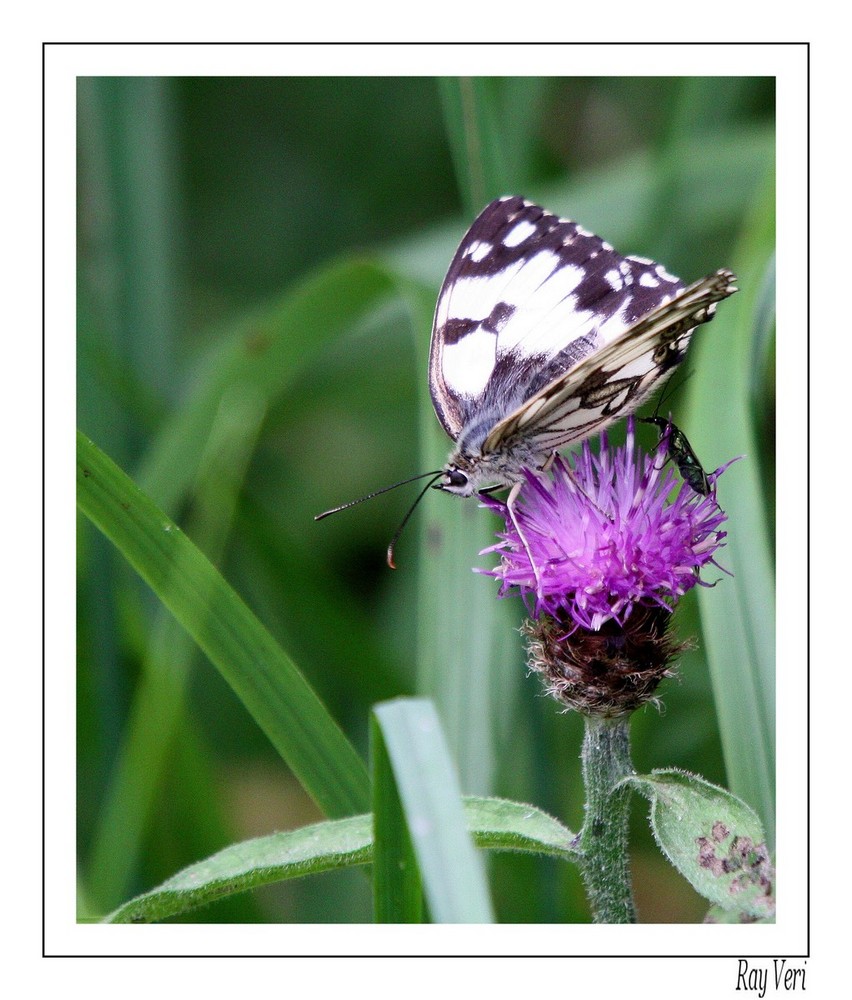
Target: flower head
604 535
601 551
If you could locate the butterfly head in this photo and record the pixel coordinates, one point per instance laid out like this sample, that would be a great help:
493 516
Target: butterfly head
467 474
467 483
455 480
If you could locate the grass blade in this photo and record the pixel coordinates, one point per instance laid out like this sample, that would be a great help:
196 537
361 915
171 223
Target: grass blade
471 116
452 871
397 888
261 674
737 617
266 354
469 656
157 713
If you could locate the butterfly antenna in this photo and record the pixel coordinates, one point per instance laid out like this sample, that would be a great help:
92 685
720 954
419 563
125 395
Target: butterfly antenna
405 520
369 496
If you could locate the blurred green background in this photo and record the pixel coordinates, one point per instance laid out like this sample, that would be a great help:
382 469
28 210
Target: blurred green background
211 211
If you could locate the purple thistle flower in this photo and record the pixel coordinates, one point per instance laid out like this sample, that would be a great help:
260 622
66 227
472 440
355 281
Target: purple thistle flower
596 539
601 551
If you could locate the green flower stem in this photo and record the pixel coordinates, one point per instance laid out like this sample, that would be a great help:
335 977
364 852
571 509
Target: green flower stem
605 864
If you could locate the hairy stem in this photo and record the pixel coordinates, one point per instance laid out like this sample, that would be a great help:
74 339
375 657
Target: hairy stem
603 839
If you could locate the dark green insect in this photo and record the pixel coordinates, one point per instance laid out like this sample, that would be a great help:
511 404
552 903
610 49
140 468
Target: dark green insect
680 452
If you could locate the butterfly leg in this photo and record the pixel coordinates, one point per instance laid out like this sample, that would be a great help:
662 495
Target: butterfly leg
510 507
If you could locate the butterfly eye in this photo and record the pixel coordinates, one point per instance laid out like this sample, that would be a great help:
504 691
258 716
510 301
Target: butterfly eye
456 478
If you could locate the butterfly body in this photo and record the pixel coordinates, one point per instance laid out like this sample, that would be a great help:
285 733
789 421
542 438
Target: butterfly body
469 470
544 335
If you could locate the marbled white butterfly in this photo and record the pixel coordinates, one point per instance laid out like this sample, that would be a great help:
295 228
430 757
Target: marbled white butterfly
544 335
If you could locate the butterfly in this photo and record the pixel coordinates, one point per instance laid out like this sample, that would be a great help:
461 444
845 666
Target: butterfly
544 335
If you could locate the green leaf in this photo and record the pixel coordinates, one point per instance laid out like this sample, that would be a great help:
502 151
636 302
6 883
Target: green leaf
718 915
513 826
494 823
452 872
713 839
252 863
261 674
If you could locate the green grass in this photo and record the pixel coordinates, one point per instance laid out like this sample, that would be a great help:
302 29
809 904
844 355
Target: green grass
254 316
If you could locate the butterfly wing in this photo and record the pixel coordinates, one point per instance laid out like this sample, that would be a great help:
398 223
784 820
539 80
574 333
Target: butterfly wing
528 296
613 381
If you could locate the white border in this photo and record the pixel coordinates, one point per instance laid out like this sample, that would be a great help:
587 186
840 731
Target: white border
64 936
293 59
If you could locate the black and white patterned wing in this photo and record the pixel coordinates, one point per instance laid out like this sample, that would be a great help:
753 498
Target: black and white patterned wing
527 297
613 381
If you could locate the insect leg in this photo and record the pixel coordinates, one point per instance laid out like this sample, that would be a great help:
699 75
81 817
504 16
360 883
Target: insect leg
510 507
